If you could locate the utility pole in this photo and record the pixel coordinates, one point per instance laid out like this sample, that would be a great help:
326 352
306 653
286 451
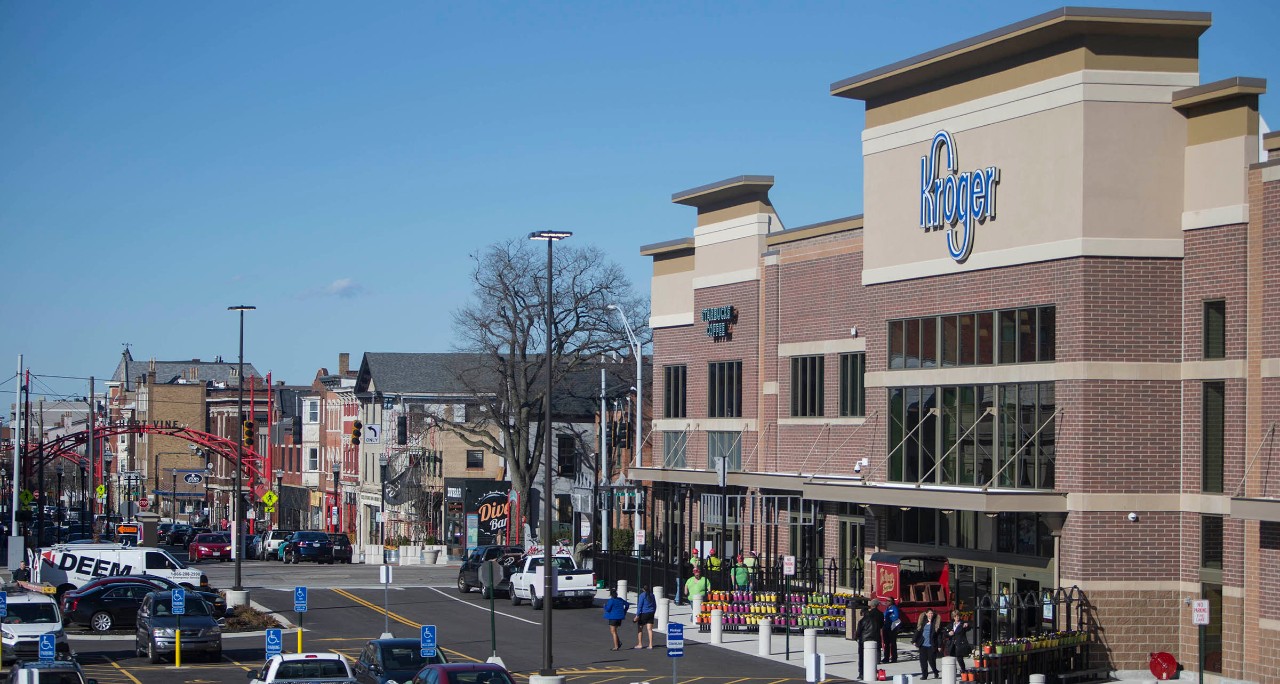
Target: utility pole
15 539
88 452
40 499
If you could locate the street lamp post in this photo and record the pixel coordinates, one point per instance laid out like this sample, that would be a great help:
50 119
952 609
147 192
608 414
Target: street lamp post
280 501
337 504
84 497
235 487
382 511
58 515
548 666
173 497
107 458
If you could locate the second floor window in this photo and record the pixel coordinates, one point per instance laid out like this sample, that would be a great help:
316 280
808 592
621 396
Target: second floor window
475 459
853 388
313 459
567 455
1215 330
313 412
724 389
806 385
1212 436
673 391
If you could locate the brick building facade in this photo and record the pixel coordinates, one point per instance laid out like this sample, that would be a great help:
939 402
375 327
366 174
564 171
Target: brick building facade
1058 369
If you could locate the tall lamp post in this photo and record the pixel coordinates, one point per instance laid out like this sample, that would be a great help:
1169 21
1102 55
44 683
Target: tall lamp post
235 487
280 502
548 667
58 515
107 458
84 498
337 495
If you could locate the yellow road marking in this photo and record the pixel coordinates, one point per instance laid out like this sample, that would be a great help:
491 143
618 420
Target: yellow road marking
779 681
401 619
738 680
242 665
602 681
125 672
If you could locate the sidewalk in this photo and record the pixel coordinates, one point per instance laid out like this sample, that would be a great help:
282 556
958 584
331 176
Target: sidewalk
841 654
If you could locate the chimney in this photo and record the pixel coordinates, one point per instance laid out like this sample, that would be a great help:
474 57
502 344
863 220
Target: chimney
344 363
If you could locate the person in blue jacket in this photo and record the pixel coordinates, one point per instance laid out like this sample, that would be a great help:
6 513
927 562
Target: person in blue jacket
615 611
646 607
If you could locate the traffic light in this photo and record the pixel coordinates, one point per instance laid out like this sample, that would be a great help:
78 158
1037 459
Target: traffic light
402 430
356 428
248 433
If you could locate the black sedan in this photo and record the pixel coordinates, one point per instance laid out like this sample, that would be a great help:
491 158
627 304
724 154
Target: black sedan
156 583
180 535
107 606
341 548
313 546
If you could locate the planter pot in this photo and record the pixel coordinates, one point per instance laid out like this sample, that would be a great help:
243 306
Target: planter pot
391 556
430 556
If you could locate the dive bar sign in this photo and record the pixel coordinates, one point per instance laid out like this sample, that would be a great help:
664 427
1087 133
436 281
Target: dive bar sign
718 320
954 200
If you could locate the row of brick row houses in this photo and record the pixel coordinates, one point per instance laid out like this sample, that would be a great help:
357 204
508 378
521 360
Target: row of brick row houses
403 403
1048 350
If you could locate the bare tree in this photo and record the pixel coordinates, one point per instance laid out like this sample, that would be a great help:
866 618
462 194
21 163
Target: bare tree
505 324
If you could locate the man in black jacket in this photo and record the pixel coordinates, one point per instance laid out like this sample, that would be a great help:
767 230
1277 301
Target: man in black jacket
869 630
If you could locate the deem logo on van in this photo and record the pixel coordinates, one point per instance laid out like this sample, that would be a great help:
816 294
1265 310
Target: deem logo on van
88 565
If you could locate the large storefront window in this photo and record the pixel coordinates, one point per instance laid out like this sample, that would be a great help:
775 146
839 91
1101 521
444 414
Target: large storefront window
971 435
673 448
982 338
1023 534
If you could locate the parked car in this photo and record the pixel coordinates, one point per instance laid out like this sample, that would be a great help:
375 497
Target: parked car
254 550
210 545
342 550
156 582
106 606
314 546
463 673
469 574
179 535
273 541
163 530
157 625
29 616
49 672
308 668
392 660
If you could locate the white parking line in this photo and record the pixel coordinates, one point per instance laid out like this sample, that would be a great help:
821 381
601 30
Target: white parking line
484 608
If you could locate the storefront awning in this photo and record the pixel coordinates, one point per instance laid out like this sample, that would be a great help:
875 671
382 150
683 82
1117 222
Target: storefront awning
1266 510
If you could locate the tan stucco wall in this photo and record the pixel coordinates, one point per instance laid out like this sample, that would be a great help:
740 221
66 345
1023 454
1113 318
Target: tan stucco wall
1133 171
1208 180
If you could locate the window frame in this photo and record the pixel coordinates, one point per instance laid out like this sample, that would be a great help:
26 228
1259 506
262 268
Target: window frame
724 389
1213 342
852 384
471 453
808 386
675 389
1213 396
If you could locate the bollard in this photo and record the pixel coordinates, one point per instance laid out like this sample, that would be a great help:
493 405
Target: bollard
622 589
948 668
697 610
766 638
850 625
658 593
815 667
717 626
664 613
810 643
870 660
1037 679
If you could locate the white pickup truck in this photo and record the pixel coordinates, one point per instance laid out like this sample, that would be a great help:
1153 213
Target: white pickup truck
571 583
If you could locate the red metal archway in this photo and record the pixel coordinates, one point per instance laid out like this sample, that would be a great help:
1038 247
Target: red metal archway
251 464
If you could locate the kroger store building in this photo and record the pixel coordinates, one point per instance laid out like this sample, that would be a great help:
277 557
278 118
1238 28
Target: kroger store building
1049 350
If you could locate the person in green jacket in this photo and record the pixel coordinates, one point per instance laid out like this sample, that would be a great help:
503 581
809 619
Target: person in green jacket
741 575
696 587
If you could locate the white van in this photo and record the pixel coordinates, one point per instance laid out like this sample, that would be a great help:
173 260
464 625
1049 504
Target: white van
68 566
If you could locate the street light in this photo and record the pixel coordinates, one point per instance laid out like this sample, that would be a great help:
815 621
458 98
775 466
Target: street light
548 668
636 349
337 472
84 498
57 512
382 512
235 487
107 458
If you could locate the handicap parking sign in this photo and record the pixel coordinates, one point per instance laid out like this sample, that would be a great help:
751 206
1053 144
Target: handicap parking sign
48 646
4 603
427 643
179 601
299 599
275 641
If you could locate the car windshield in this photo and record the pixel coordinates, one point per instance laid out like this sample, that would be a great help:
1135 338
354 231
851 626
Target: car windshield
195 606
213 539
479 677
31 614
311 536
561 562
340 540
311 669
398 660
59 676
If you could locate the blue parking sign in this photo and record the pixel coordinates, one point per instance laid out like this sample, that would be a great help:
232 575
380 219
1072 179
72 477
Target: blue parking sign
427 643
48 646
299 599
275 642
179 601
4 603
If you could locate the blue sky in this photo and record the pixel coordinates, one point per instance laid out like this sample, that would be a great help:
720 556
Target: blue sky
336 163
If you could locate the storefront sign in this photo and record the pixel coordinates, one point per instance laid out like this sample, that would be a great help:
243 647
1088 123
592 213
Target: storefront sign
718 320
953 200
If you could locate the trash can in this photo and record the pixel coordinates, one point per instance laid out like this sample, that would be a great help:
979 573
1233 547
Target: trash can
391 556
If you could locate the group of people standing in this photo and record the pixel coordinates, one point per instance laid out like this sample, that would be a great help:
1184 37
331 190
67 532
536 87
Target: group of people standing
742 574
615 611
930 637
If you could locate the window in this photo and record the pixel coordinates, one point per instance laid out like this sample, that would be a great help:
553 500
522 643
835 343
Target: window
566 455
313 459
1211 542
1212 429
724 445
673 448
974 339
724 389
1215 329
475 459
673 391
806 385
313 411
853 389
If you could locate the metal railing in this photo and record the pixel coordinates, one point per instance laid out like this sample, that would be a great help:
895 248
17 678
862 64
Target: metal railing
652 569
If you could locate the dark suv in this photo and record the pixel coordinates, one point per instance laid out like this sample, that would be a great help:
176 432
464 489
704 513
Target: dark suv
342 551
469 574
314 546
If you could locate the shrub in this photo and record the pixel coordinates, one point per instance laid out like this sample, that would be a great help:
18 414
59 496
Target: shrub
246 619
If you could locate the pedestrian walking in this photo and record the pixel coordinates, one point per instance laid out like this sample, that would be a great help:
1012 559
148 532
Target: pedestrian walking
889 632
869 629
615 611
927 637
646 607
958 645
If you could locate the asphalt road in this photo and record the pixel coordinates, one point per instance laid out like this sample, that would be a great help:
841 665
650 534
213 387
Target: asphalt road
345 611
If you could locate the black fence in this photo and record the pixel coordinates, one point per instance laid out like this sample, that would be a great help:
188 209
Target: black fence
813 575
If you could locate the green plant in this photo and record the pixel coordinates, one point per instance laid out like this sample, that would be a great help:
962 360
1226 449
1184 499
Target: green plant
621 539
246 619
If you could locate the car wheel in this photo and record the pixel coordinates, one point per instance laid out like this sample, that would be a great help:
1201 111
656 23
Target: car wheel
215 656
101 621
534 600
138 650
515 600
486 593
152 654
463 587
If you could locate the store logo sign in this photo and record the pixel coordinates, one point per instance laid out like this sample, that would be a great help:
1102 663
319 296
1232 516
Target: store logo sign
718 320
954 200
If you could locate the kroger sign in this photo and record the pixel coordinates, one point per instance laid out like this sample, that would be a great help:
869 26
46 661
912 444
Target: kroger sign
955 200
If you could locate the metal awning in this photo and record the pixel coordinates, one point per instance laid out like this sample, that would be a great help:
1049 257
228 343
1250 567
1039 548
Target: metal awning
1266 510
